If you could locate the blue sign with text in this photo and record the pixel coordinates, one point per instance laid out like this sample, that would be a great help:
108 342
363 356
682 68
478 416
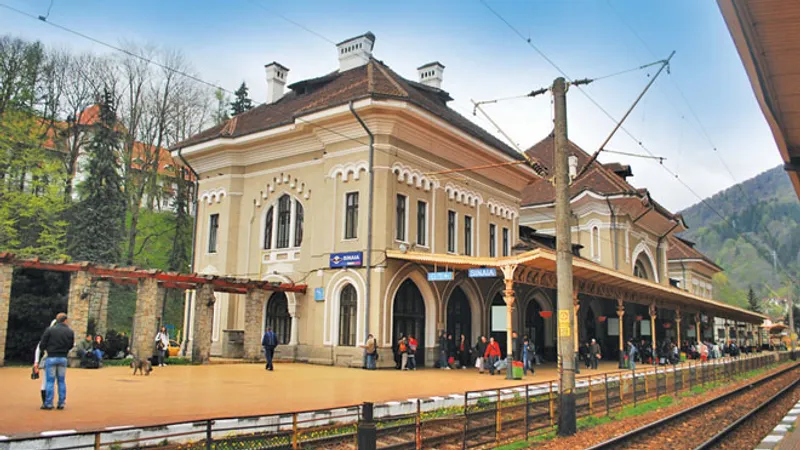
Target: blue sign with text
347 259
319 294
440 276
485 272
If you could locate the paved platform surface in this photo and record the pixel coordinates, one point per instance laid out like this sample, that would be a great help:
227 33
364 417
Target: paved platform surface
785 435
111 396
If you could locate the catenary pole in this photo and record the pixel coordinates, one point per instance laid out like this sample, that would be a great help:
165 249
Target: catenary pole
792 329
566 419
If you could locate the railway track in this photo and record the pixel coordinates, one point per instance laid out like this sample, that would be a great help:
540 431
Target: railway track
688 423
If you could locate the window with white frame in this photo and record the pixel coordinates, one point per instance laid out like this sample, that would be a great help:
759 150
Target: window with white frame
422 223
400 217
506 242
451 231
595 236
283 224
468 235
492 240
351 216
348 305
213 228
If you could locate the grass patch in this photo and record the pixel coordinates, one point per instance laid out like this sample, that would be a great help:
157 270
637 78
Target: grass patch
593 421
642 408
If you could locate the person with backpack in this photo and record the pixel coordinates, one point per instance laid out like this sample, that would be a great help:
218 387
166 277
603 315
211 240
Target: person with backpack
632 351
412 352
402 350
492 354
527 356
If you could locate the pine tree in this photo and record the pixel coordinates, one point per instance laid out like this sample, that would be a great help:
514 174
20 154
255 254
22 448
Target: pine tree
242 102
752 301
98 228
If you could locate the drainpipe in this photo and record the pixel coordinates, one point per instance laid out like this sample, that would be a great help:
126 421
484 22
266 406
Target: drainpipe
186 326
683 272
370 172
614 230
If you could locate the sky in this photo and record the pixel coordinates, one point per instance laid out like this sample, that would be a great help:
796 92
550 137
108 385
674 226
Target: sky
701 117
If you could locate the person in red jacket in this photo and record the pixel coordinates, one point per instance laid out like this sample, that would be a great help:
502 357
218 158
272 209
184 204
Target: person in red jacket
492 354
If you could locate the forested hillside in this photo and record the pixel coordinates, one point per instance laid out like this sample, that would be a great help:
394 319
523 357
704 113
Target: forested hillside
761 231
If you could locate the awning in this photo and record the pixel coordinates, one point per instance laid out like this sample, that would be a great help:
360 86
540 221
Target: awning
538 267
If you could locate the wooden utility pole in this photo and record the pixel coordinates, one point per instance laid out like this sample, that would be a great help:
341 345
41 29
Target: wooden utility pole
567 425
792 330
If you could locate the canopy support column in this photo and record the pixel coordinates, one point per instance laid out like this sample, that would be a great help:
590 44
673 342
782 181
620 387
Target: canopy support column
653 330
621 316
508 297
678 327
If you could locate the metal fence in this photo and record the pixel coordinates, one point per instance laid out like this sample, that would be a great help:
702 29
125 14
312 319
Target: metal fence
472 420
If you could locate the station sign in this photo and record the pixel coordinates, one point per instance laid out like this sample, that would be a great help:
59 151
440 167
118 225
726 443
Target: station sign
347 259
440 276
484 272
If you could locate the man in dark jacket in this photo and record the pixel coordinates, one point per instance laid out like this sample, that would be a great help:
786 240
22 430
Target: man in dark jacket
594 353
57 341
269 342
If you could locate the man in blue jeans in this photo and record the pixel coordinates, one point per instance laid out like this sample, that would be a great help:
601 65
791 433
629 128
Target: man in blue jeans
269 342
57 341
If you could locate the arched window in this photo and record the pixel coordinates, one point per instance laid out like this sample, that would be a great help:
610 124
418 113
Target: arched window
278 317
298 224
348 306
642 268
268 228
596 243
284 221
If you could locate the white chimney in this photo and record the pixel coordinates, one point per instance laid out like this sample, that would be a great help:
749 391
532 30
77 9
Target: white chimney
276 80
573 166
355 52
431 74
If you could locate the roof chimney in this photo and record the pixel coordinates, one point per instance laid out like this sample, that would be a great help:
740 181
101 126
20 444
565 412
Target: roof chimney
355 52
276 80
431 74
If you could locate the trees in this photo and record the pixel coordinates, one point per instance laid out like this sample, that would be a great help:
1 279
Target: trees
753 304
97 219
242 102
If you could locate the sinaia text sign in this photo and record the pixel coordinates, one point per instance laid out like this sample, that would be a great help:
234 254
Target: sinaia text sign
347 259
484 272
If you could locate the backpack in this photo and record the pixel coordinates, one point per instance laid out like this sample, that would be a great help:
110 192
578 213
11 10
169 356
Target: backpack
402 347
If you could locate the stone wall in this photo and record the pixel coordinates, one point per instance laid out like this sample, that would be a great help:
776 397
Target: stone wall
253 321
203 320
98 306
145 320
78 301
6 275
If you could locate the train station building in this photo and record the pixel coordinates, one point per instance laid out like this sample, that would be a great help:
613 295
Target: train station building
461 227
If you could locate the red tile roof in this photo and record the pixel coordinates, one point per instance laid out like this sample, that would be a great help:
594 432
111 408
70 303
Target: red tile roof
372 80
682 249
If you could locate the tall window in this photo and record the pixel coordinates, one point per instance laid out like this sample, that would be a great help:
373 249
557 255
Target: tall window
268 228
595 243
451 231
278 317
422 223
351 216
298 223
284 221
213 227
492 240
347 316
400 222
506 249
468 235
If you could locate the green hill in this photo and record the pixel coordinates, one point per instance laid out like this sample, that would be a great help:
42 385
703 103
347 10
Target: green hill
765 210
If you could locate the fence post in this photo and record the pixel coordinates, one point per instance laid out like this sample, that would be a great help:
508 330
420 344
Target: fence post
97 441
498 416
552 412
591 409
294 431
418 428
634 386
646 390
621 390
208 434
367 434
608 407
527 410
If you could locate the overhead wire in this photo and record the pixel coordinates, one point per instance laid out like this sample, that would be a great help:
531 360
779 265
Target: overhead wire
624 129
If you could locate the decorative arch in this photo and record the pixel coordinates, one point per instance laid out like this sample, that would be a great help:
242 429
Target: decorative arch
594 226
348 170
213 195
501 209
333 291
272 207
414 177
473 293
462 195
647 260
539 298
429 296
291 183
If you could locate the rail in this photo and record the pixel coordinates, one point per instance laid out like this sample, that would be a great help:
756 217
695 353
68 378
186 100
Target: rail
468 420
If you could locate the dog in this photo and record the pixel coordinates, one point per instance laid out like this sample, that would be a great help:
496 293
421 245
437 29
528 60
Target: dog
143 366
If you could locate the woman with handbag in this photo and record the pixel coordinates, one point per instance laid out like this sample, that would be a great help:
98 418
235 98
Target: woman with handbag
162 342
39 360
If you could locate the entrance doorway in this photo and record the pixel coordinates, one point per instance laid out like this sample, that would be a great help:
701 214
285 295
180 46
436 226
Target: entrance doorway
278 317
534 326
459 316
408 317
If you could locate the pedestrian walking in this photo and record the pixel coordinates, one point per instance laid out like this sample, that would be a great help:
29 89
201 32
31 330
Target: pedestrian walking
57 341
443 351
412 352
594 353
462 350
402 350
39 361
480 349
527 356
162 343
269 342
632 351
492 354
371 351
